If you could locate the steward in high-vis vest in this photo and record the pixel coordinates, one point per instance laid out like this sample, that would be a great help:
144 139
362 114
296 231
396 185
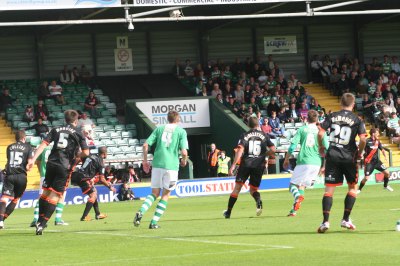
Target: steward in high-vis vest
212 160
223 164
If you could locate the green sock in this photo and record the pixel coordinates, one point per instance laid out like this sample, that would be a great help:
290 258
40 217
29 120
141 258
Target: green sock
295 191
36 212
161 206
147 203
301 191
59 211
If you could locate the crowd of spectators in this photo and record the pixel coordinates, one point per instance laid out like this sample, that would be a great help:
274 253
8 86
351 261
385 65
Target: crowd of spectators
253 89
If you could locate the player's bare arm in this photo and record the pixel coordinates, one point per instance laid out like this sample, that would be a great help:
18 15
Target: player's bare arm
103 180
146 166
238 155
184 154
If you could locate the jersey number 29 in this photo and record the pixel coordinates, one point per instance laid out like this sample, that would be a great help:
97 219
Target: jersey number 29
340 135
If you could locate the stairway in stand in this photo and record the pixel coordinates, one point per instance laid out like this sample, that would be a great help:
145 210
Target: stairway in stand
6 138
330 102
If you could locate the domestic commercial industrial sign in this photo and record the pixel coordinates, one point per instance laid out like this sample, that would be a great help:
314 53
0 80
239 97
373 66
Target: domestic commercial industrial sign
194 113
56 4
280 45
205 2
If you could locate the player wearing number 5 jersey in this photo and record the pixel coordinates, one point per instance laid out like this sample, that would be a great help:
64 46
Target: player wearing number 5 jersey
19 160
252 149
341 158
67 143
169 141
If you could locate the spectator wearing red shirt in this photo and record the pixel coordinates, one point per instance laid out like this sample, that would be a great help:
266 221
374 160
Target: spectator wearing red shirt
91 103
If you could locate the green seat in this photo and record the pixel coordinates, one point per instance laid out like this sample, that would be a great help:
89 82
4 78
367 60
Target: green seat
58 123
119 127
35 141
106 114
22 125
112 120
101 121
58 116
66 107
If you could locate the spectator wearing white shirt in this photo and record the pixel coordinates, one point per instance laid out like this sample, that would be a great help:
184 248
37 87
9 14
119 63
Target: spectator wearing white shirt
56 92
395 65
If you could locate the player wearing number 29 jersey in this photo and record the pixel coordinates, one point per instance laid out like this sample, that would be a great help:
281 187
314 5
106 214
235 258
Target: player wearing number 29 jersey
341 158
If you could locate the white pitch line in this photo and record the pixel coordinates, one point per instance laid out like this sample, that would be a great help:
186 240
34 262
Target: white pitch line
168 257
394 209
31 229
187 240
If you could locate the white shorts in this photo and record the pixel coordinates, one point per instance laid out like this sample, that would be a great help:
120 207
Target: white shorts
163 178
305 174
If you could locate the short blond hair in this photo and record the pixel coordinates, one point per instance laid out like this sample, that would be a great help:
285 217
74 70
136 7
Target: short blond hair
347 100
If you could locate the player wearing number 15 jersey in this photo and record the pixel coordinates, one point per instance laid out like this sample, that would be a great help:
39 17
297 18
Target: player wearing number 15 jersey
341 158
19 160
67 143
252 149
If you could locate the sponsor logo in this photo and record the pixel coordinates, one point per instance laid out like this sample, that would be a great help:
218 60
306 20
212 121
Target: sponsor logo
394 175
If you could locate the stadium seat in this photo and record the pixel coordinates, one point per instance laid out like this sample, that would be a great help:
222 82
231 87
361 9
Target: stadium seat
101 121
35 141
109 143
298 124
115 135
98 129
142 141
121 142
112 120
108 128
106 113
104 136
130 127
126 135
133 142
58 123
22 125
119 128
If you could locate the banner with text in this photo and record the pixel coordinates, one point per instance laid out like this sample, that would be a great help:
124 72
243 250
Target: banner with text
280 45
56 4
123 59
194 113
139 3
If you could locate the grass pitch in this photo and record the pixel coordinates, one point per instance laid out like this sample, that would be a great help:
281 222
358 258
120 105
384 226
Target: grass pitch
193 232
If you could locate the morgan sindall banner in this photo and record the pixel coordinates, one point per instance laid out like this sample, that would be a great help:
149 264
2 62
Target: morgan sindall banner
56 4
206 2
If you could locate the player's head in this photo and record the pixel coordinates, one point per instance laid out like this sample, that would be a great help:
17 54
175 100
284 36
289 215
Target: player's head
173 117
253 122
374 133
103 151
20 136
71 117
312 116
347 101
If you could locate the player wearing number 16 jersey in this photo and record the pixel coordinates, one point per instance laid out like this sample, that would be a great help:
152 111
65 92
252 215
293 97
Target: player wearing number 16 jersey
341 158
252 149
67 143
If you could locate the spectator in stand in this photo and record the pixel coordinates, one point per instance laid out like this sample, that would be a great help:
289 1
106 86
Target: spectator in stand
66 76
237 67
392 125
228 91
303 111
242 111
271 83
337 64
75 74
277 71
292 114
306 97
397 106
316 65
132 176
254 105
247 93
227 73
84 120
270 64
220 98
199 87
6 101
56 92
44 92
277 128
189 72
29 114
282 115
178 70
353 81
86 76
215 91
293 79
386 65
282 82
215 73
91 103
333 81
203 92
314 105
212 160
265 127
41 111
395 65
41 129
325 71
202 77
233 105
262 79
299 87
198 69
272 107
342 85
370 108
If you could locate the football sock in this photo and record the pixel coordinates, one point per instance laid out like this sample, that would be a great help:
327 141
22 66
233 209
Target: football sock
295 191
348 205
147 203
301 191
10 208
96 207
36 212
2 210
385 181
59 211
231 202
362 184
326 206
89 205
43 204
256 195
51 207
160 209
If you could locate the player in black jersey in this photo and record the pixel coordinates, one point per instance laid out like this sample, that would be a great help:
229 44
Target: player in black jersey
341 158
252 149
19 161
68 140
92 167
372 161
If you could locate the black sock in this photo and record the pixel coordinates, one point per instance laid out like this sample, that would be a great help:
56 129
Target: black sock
88 207
385 181
50 209
43 204
10 208
326 206
2 210
362 184
256 195
348 205
96 208
231 202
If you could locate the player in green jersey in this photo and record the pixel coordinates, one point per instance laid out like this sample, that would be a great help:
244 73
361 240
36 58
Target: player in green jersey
41 163
169 140
308 161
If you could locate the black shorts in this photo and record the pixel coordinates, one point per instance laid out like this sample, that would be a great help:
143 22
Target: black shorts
14 185
334 172
371 166
255 175
78 179
56 178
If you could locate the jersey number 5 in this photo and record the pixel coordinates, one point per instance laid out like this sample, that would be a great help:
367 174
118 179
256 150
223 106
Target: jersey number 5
62 141
340 135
